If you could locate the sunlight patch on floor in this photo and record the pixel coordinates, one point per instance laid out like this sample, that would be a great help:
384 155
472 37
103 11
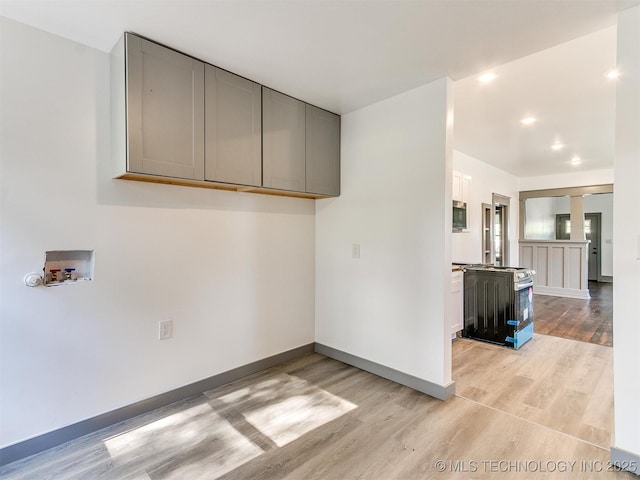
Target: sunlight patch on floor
214 437
198 429
286 407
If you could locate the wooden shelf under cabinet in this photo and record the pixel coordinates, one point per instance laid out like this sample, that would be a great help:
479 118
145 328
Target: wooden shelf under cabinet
217 186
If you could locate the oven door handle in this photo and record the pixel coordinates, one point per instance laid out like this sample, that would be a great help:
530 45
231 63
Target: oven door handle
522 286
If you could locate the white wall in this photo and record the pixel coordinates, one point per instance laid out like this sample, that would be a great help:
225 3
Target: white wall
234 271
565 180
540 219
602 203
626 235
485 181
389 306
562 205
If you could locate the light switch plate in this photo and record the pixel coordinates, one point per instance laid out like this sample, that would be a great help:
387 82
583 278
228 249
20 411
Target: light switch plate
165 329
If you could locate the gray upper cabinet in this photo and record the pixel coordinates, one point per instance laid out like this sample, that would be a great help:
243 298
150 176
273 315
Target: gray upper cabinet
283 141
165 111
233 124
322 152
178 120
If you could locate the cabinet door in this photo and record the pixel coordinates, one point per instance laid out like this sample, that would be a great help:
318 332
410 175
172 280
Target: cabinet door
233 131
457 298
456 190
165 111
466 189
322 152
283 141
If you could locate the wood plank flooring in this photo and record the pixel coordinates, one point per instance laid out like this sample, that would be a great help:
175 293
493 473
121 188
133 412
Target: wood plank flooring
576 319
519 414
566 385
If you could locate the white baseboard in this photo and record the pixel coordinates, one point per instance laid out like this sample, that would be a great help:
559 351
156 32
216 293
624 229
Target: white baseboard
562 292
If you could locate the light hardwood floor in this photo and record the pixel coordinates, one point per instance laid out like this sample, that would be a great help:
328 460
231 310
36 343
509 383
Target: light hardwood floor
564 384
517 414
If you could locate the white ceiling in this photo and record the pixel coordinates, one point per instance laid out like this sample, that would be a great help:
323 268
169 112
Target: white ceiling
564 88
343 55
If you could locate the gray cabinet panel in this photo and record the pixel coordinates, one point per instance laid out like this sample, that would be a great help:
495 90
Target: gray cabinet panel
178 120
165 111
283 141
233 119
322 151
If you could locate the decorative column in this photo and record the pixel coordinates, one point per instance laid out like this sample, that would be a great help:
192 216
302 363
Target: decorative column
577 219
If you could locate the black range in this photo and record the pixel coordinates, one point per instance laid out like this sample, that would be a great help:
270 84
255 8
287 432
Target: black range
498 304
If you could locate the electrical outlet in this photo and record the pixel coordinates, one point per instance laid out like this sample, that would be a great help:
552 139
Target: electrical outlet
355 250
165 329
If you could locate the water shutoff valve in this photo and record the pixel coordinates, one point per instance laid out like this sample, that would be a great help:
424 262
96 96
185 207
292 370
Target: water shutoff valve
69 274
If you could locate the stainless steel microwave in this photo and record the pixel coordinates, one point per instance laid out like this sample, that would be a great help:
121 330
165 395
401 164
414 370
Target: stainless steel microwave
459 216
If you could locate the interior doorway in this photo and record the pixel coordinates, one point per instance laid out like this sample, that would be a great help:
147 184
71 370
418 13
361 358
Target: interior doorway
487 233
500 223
495 231
592 232
499 235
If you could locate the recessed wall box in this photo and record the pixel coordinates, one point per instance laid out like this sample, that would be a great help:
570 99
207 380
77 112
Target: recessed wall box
62 267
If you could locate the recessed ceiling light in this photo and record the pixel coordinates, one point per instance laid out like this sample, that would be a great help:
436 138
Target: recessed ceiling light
528 120
576 161
487 77
557 146
612 74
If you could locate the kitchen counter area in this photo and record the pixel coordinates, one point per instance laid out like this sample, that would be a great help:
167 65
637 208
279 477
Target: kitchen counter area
459 266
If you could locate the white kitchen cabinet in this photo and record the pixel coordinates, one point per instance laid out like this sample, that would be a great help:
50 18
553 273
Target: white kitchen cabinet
466 189
461 188
456 191
457 302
